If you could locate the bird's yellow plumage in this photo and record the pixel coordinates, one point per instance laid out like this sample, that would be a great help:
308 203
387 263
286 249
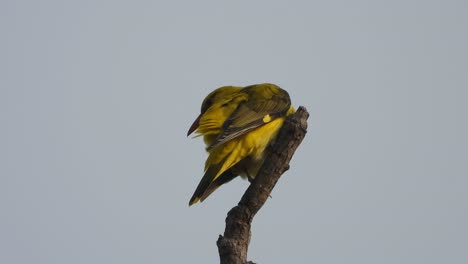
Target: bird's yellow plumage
237 125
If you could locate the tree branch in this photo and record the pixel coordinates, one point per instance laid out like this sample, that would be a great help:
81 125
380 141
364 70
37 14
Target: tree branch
233 246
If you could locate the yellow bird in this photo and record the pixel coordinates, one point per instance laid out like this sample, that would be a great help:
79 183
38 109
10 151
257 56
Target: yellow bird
237 125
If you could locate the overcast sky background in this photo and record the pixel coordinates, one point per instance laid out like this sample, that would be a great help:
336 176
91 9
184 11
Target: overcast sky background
96 98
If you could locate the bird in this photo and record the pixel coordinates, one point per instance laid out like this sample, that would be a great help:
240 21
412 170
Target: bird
238 124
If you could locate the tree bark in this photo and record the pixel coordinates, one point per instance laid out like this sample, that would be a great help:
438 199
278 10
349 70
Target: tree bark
233 245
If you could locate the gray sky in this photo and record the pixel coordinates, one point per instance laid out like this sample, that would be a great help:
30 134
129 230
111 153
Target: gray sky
96 98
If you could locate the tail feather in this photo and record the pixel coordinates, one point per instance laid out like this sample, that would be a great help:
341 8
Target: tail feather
205 182
226 177
208 186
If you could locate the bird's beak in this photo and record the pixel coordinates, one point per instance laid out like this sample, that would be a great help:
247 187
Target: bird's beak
194 125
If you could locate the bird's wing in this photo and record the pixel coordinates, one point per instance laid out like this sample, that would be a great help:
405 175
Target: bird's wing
252 114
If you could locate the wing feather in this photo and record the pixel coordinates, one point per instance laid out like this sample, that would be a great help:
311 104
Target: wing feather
253 113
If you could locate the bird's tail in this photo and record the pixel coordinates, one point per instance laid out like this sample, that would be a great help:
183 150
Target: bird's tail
208 186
